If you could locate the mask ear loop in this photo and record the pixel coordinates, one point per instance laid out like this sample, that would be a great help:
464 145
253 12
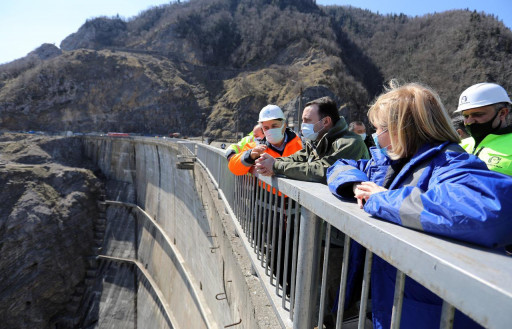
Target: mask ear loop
322 123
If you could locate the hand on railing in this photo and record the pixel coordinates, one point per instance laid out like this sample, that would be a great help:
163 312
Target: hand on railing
363 191
264 165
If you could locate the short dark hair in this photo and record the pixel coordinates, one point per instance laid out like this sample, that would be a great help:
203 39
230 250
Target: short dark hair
499 106
353 124
326 107
458 123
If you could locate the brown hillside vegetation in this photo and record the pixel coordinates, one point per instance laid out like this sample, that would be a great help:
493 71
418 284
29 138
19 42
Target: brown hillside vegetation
219 61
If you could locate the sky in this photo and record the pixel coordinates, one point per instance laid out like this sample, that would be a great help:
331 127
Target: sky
27 24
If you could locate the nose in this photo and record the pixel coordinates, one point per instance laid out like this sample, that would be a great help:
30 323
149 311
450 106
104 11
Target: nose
468 120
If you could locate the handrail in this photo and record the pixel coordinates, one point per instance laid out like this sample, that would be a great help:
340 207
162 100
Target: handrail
474 280
276 230
445 266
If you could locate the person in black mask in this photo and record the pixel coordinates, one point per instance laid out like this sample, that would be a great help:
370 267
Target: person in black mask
485 107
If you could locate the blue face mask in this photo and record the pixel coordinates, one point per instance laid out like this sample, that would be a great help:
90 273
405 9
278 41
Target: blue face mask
363 136
375 137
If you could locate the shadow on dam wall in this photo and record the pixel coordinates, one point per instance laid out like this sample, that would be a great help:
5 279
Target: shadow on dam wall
169 258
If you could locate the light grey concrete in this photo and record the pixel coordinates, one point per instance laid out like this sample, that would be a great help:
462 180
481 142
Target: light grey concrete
181 236
200 255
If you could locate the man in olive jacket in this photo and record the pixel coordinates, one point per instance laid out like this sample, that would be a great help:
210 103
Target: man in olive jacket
326 139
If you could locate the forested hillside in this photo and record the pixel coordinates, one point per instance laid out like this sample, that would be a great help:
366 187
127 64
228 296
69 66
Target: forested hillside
212 64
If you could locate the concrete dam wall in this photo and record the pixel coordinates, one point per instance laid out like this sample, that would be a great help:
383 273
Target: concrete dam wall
170 256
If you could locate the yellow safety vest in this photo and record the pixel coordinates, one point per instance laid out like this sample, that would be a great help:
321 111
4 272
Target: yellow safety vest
494 150
241 143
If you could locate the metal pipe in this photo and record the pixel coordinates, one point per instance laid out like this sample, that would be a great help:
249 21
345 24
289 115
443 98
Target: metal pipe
250 195
366 288
280 248
324 274
294 258
247 202
447 315
261 226
256 217
287 250
270 221
307 269
251 206
233 324
273 248
235 203
245 207
343 282
396 313
268 200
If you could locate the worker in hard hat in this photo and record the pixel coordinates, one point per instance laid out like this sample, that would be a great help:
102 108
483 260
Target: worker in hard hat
485 107
326 140
279 141
256 135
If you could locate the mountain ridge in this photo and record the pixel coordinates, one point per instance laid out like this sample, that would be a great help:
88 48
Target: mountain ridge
209 66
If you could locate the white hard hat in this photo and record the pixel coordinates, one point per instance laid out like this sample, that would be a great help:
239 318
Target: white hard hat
482 94
271 112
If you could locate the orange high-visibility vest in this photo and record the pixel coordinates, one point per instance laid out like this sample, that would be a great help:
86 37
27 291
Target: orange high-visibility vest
239 168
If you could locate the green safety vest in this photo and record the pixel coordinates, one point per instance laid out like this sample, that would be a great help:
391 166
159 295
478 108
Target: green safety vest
240 145
494 150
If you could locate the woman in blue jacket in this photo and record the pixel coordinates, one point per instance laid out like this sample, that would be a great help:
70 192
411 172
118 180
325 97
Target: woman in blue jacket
419 177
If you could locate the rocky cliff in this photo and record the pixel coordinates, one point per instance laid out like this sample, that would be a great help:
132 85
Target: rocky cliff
49 202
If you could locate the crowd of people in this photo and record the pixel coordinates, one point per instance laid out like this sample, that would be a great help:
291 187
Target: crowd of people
421 169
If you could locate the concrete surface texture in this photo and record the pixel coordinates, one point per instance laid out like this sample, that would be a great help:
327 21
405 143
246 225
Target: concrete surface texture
175 233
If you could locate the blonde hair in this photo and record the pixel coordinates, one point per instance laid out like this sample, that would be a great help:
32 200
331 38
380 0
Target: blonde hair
414 115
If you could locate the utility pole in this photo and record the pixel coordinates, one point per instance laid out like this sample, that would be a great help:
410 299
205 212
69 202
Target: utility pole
299 111
203 126
236 125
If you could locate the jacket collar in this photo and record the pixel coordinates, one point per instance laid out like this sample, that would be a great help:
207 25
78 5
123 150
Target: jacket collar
338 130
289 136
426 152
378 157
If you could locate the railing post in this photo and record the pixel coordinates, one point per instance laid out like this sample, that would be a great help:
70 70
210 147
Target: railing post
306 290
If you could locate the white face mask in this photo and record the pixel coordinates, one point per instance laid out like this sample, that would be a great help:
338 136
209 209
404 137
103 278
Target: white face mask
308 130
363 136
275 135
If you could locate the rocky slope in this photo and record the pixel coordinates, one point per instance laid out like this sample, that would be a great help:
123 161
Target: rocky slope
49 202
210 65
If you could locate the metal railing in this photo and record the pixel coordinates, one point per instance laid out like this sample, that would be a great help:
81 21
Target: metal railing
284 223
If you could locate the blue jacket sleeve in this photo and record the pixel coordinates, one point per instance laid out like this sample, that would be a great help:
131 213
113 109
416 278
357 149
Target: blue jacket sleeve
343 174
463 200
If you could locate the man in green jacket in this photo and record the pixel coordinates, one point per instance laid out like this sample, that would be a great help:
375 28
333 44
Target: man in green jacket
326 139
485 107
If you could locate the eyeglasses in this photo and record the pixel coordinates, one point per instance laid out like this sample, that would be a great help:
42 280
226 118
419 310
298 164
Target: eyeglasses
377 135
